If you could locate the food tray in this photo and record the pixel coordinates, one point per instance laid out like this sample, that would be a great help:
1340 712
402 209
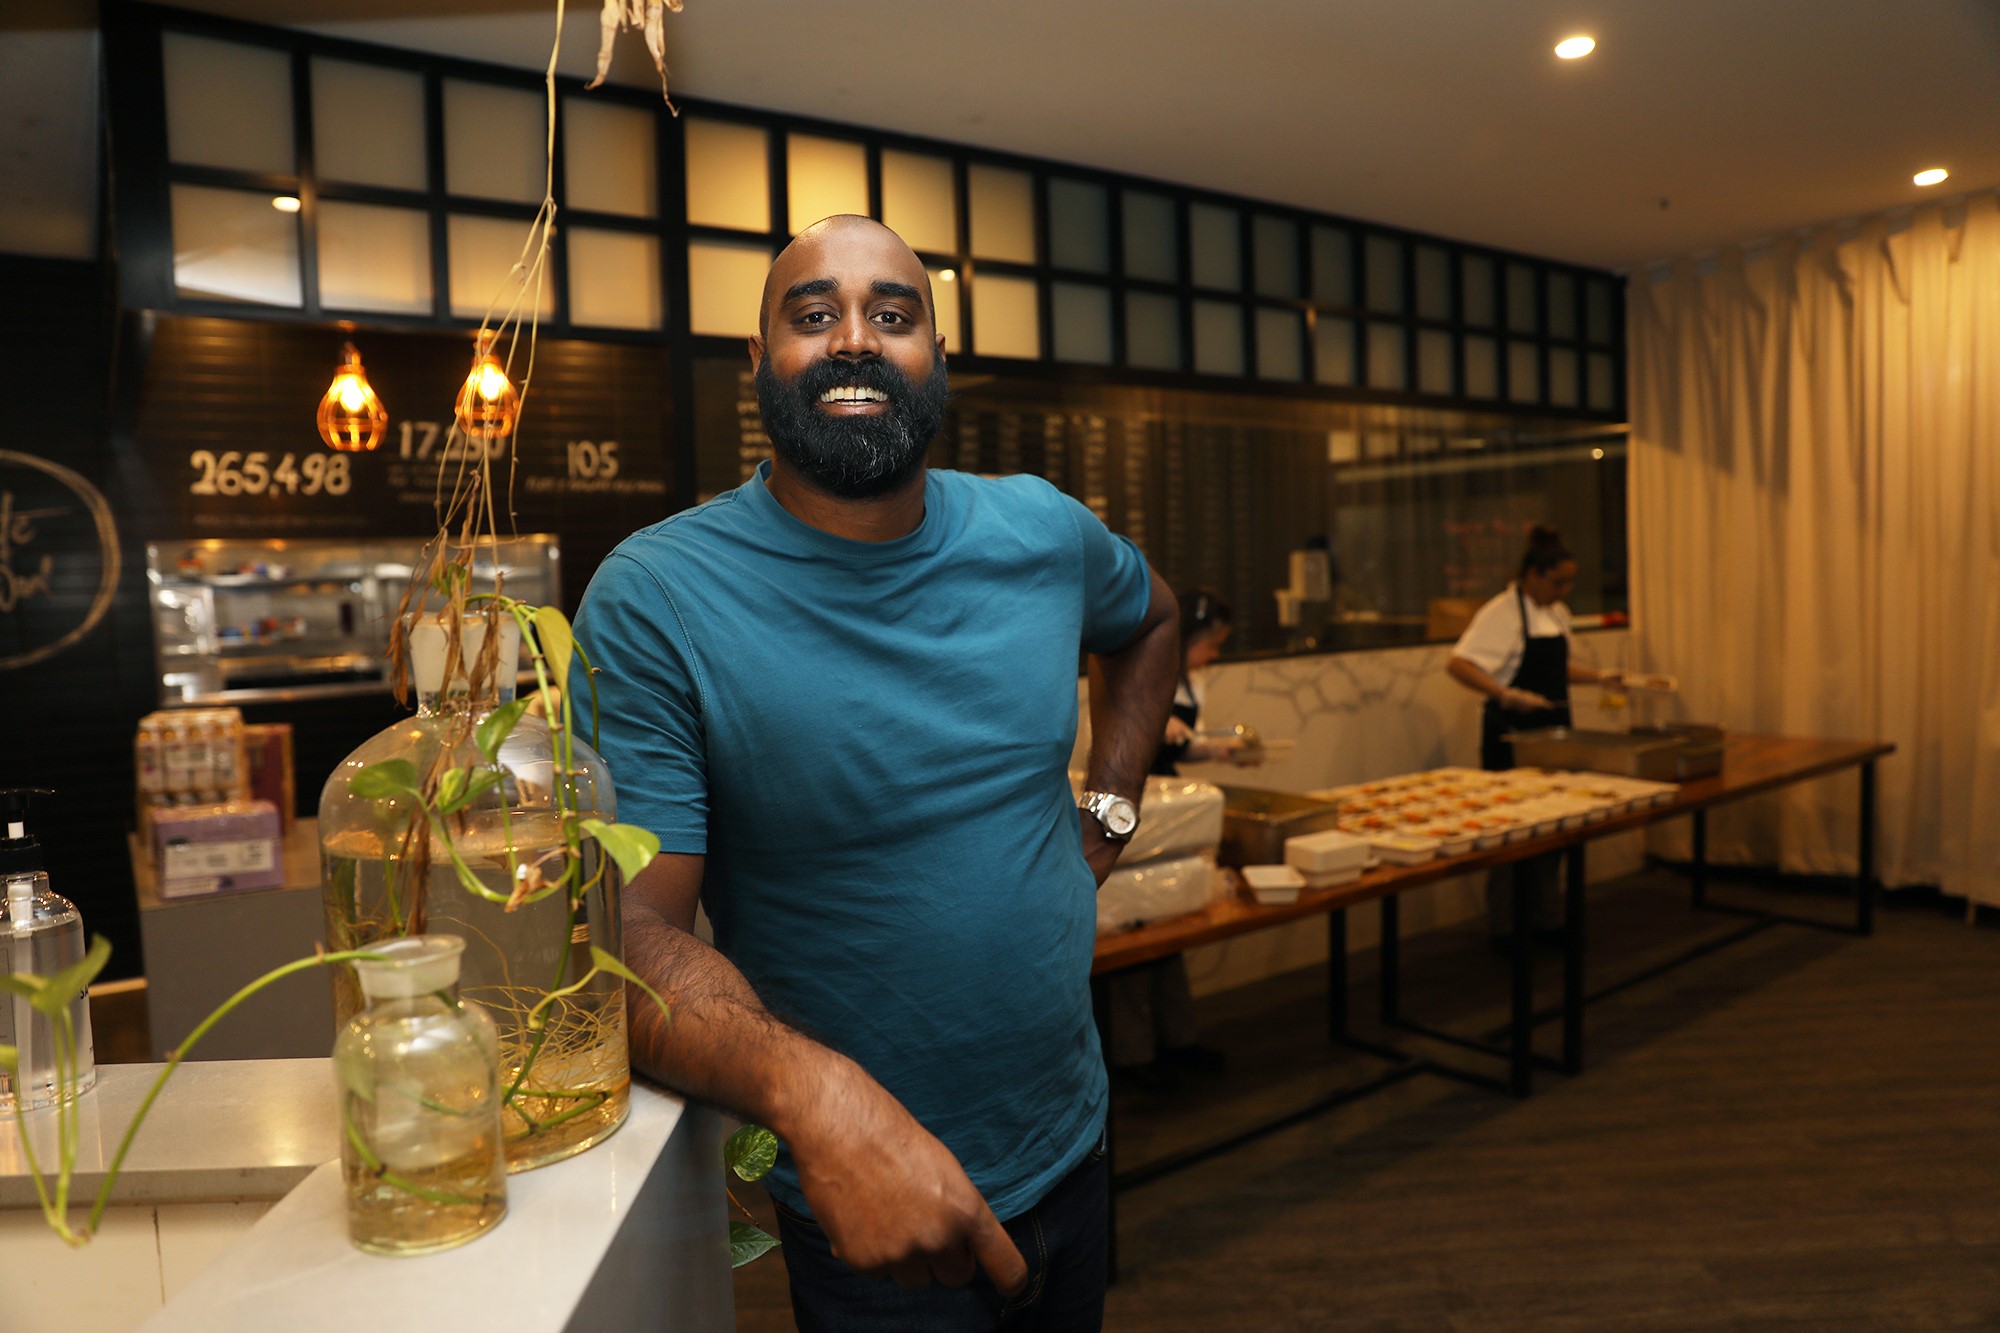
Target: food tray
1256 822
1656 756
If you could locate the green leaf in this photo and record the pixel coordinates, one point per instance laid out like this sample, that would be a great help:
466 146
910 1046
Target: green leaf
750 1152
748 1244
632 847
69 983
25 984
558 642
456 790
499 724
391 777
611 963
10 1059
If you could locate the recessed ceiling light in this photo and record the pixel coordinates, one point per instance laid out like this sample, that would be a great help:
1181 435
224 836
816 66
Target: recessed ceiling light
1933 176
285 203
1575 48
947 275
1597 453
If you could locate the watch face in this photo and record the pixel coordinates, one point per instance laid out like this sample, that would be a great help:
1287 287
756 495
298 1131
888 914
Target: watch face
1120 817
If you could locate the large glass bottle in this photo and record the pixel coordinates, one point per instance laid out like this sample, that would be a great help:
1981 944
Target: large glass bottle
390 869
40 935
419 1104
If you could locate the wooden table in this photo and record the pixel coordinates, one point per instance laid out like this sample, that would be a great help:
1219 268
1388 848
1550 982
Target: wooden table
1751 765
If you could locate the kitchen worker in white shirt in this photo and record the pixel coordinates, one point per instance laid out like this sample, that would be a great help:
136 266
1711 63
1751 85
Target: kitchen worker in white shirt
1516 652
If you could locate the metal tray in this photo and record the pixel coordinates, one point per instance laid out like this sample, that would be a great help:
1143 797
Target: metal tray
1255 823
1657 755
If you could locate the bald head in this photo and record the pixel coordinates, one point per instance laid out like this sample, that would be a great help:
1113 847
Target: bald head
841 252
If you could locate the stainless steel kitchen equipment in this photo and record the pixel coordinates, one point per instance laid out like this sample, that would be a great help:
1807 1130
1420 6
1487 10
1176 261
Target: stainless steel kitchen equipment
1255 823
1657 754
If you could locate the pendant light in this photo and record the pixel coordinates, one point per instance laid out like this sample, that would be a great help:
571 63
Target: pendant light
487 405
351 417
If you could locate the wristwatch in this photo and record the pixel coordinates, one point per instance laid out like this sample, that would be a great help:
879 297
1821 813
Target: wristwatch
1117 816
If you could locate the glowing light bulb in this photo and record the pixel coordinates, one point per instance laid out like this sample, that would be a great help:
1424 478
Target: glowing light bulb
947 275
351 416
1932 176
1575 48
487 405
286 203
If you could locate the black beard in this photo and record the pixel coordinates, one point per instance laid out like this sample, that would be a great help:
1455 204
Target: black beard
853 457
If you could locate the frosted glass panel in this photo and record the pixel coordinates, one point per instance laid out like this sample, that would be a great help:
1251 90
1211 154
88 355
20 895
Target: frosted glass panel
1217 250
1563 388
1079 225
1003 216
1482 368
1275 243
1521 313
1562 305
1152 237
726 287
495 142
1218 338
1385 356
612 162
1280 340
1082 322
1152 329
824 177
918 203
1597 310
728 176
1597 372
1006 315
1333 351
1475 272
368 125
1433 282
1524 376
230 245
373 258
614 279
1433 361
944 296
1385 273
228 104
1332 266
483 253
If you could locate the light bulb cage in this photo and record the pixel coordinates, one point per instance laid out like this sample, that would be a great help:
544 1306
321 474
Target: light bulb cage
488 405
351 416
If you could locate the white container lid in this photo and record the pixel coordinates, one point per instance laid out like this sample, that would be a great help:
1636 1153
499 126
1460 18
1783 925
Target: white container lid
1330 850
1273 877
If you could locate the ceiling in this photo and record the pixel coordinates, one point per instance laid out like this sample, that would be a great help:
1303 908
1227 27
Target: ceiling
1695 124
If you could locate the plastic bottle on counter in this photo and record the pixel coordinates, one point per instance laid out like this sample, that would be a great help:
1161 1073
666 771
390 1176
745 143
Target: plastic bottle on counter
41 935
151 762
201 758
176 759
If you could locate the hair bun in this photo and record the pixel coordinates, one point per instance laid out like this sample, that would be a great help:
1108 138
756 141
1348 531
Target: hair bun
1541 534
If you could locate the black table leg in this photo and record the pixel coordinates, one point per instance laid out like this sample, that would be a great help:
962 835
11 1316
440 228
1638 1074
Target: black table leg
1336 975
1521 1026
1573 942
1391 957
1864 878
1698 866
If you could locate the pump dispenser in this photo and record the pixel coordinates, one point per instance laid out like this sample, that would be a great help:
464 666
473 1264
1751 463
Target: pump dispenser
41 934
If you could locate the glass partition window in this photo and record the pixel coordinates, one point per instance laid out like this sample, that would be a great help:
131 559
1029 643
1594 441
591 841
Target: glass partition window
230 245
495 142
1152 237
1524 373
918 201
1434 361
1082 318
824 177
1332 266
1280 340
1275 243
1385 356
1433 283
1385 274
1003 216
1152 331
368 125
1215 248
1522 315
1475 274
1218 338
1333 350
1482 368
374 258
614 279
728 175
944 301
229 104
483 252
612 162
1079 226
726 286
1006 316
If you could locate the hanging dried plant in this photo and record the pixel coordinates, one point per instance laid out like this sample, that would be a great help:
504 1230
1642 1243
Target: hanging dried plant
647 16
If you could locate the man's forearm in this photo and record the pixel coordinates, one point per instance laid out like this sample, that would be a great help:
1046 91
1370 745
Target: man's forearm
1131 693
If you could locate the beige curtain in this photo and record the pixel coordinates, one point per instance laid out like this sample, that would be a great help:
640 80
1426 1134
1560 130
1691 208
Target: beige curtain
1815 527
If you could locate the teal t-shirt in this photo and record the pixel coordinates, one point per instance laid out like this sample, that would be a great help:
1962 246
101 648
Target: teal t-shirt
869 741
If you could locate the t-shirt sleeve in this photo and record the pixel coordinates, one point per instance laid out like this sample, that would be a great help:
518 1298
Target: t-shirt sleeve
649 703
1493 636
1117 583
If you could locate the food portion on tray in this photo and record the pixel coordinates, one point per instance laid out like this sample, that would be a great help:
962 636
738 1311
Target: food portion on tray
1450 811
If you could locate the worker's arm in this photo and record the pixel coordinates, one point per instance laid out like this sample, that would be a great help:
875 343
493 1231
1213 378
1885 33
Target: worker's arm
1131 693
1476 678
891 1198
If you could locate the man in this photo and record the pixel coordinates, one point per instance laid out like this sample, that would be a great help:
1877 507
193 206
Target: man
844 696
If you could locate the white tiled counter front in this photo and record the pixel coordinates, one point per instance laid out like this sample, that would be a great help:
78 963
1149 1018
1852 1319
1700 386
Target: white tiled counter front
229 1215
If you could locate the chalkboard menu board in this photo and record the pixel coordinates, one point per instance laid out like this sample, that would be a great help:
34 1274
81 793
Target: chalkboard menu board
225 443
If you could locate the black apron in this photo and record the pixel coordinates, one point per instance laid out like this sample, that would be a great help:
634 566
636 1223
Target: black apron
1544 671
1166 760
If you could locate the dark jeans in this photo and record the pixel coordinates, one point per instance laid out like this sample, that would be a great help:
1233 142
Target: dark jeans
1062 1238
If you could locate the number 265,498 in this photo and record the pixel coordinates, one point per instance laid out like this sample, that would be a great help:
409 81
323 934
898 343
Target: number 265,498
237 473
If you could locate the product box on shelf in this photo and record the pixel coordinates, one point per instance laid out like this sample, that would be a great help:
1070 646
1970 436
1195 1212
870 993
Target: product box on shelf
186 757
225 847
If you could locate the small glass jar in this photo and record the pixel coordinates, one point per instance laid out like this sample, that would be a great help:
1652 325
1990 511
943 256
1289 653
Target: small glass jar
421 1144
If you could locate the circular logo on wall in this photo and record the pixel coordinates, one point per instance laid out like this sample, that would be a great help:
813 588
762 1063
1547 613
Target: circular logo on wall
59 560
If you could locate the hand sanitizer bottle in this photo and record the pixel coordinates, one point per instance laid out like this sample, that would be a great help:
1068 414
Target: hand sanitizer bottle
40 934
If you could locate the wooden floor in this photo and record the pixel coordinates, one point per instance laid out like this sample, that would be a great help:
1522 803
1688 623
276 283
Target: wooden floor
1801 1131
